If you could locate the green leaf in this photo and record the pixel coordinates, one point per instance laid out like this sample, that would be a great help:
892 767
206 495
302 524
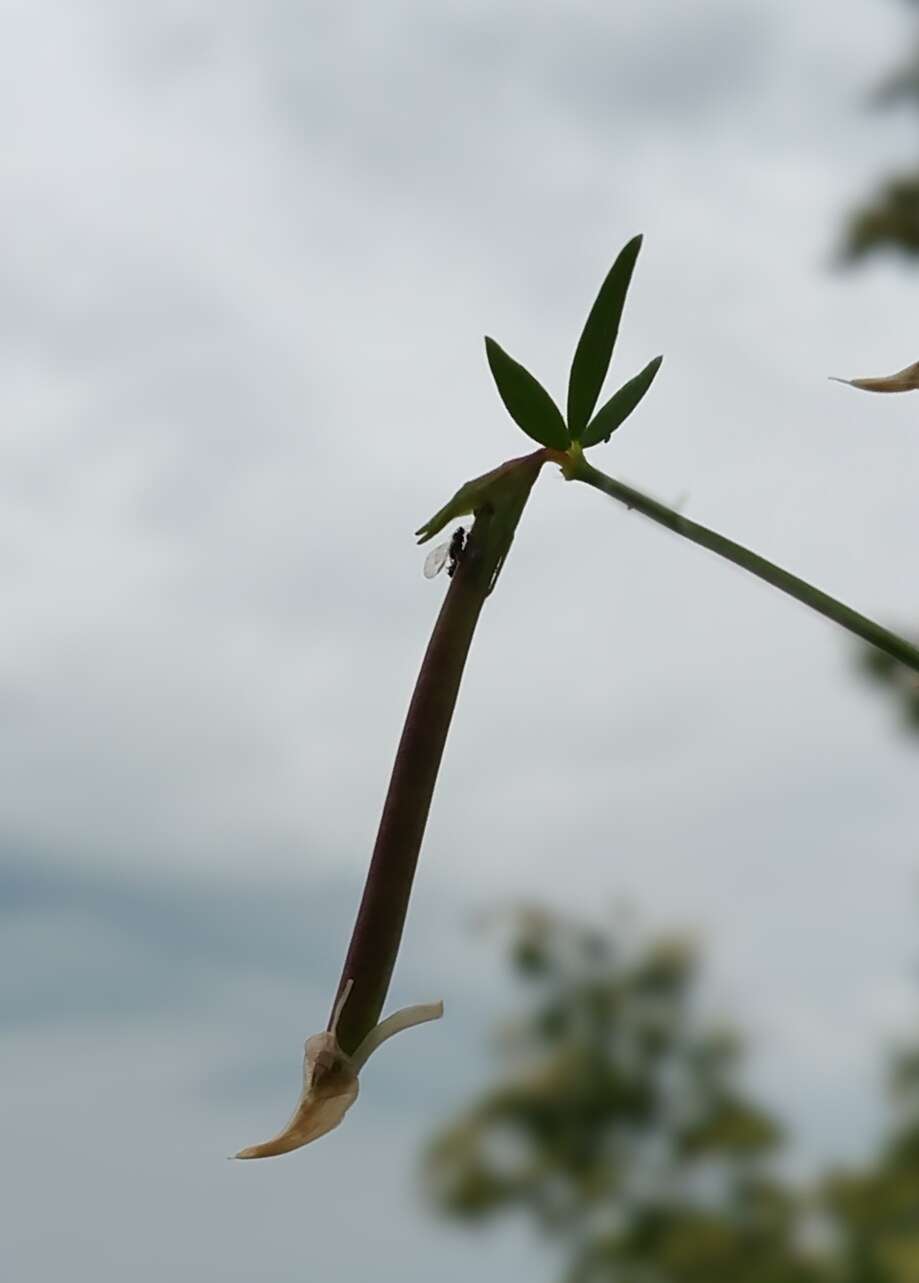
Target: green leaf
595 346
528 403
620 405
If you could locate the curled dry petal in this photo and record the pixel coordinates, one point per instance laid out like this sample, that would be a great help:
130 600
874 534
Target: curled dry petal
329 1090
903 381
394 1024
330 1084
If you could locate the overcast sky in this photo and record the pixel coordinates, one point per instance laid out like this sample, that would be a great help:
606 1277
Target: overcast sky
249 253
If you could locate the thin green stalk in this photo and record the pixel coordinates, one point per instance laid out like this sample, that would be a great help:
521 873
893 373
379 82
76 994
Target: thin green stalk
381 916
577 468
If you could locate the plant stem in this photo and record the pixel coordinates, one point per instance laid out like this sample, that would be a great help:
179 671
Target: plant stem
381 916
578 469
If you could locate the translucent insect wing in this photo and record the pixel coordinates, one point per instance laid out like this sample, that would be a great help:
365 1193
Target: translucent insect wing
436 560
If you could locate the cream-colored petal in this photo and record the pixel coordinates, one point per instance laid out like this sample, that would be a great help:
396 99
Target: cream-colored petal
906 380
329 1090
340 1005
312 1119
330 1083
399 1020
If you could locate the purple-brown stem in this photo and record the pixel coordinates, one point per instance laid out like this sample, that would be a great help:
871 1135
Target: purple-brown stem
381 916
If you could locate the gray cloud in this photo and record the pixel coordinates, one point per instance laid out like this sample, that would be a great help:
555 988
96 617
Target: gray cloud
248 259
80 945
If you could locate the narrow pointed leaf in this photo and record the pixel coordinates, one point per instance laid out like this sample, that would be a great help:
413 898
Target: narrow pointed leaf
527 401
620 405
595 346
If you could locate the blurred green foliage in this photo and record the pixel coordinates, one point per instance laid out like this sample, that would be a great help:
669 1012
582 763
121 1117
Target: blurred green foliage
619 1125
889 219
876 1208
898 681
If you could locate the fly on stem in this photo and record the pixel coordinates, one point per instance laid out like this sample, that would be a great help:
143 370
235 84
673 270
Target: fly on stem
445 554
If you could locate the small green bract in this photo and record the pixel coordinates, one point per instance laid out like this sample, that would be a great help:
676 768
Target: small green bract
530 405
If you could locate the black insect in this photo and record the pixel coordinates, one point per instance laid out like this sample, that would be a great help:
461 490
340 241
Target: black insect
457 547
448 554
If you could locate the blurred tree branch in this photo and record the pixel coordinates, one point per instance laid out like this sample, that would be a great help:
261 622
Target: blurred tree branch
890 217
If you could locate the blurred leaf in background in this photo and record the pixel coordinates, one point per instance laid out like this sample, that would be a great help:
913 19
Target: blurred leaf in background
619 1124
889 218
875 1209
897 680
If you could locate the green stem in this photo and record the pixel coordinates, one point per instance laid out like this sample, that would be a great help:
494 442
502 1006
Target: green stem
381 916
578 469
